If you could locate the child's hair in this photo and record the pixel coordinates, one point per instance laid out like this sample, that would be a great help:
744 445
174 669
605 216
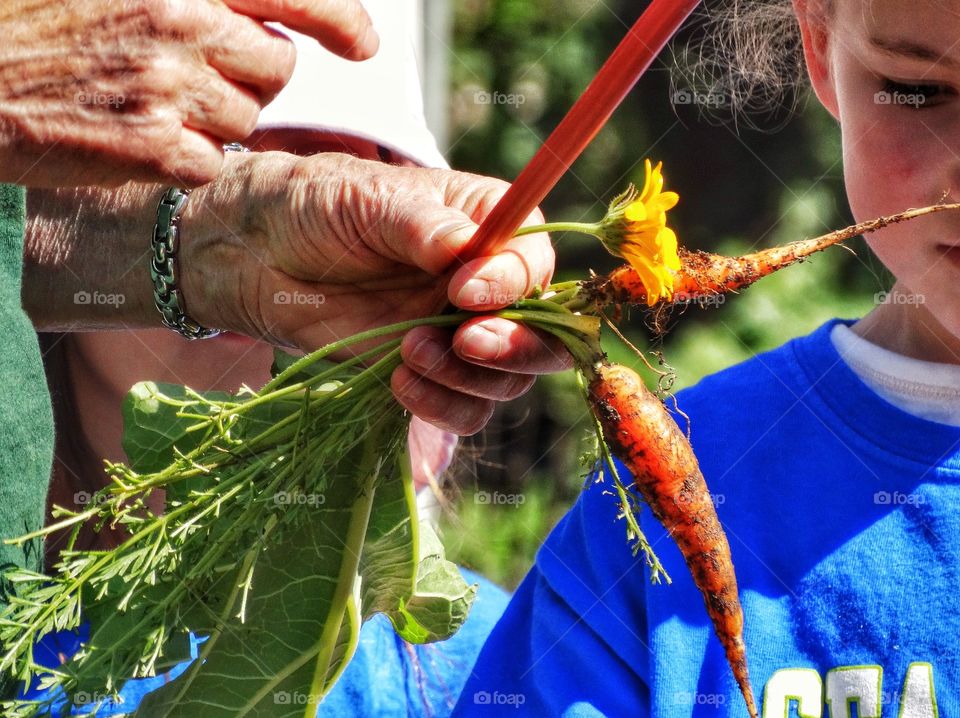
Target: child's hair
744 59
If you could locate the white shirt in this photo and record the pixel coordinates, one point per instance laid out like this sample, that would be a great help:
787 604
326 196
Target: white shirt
925 389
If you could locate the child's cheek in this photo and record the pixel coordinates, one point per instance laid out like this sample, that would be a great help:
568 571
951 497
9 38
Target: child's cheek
884 170
887 169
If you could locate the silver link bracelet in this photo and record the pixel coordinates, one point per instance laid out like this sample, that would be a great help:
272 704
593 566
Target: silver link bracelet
163 263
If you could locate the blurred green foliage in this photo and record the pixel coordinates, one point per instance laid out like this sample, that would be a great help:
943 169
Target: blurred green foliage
739 190
499 540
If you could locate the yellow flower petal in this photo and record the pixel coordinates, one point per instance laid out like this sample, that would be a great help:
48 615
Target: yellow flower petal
654 183
647 172
653 280
665 201
639 234
669 249
636 211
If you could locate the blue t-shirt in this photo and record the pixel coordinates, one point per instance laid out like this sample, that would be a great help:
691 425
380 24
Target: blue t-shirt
843 516
387 678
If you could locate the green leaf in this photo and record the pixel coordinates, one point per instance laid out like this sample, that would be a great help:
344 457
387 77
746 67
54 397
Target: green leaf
277 586
283 361
357 553
153 426
405 574
302 589
442 599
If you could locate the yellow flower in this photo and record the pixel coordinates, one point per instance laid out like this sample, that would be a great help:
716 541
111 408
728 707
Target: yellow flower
635 228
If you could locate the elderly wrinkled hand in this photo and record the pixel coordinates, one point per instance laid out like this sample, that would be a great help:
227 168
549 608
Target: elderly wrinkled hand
107 91
306 251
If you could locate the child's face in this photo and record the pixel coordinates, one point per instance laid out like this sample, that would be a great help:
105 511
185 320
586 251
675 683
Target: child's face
889 71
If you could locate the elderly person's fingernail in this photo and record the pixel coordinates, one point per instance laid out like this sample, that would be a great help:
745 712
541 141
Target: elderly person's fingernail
481 344
456 231
428 354
474 293
413 388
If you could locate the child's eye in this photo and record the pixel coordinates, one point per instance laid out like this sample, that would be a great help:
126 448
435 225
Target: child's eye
908 95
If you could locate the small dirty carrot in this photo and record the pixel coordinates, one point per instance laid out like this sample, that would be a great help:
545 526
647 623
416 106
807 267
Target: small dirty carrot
703 274
641 433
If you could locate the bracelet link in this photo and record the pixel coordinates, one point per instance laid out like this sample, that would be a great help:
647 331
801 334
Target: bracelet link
164 274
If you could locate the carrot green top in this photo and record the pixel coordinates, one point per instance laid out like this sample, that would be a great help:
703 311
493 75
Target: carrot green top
26 421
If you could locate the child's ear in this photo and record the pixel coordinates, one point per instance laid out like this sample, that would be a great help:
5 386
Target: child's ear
814 31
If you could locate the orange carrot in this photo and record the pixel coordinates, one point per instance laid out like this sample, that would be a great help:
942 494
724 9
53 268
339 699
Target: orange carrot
641 433
703 274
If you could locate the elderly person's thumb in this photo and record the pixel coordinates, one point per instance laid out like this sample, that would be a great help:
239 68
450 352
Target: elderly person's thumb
432 236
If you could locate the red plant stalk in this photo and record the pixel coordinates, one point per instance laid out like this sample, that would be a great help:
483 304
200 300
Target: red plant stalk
616 78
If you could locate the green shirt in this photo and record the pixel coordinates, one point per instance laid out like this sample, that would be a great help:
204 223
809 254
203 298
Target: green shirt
26 418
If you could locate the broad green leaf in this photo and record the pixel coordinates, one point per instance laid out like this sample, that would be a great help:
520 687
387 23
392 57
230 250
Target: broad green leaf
358 553
303 577
442 599
156 418
153 427
405 574
303 587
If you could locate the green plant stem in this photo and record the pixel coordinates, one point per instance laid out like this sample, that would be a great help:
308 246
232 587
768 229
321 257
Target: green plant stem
634 534
304 362
546 305
592 228
561 297
579 333
560 286
182 589
547 315
356 531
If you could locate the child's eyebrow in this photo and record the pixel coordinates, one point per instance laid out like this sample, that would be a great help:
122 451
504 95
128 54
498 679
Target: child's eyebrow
913 50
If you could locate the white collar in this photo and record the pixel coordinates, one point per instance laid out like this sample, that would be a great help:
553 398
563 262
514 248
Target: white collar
926 389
